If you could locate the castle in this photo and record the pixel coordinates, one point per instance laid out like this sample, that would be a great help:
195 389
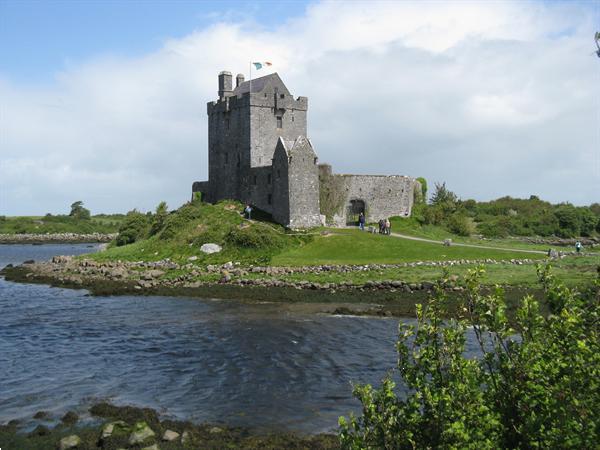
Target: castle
259 153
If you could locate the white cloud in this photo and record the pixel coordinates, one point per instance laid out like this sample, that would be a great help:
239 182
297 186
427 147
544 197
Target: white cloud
494 98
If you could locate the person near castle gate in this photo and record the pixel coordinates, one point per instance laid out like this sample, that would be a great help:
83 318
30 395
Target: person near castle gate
248 211
361 221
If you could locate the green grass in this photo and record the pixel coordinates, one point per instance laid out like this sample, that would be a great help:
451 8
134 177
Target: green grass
575 271
356 247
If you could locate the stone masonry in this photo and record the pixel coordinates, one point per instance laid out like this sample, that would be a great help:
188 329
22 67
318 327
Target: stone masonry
259 153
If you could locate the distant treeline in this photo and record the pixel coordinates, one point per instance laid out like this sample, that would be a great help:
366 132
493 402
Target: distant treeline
78 221
507 216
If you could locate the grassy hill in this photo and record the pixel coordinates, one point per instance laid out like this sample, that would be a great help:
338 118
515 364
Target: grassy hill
181 233
185 230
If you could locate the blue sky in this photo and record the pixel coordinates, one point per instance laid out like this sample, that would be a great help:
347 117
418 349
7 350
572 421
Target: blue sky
105 102
42 37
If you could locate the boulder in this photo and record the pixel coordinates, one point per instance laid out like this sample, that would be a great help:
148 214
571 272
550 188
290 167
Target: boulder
170 435
141 433
69 442
118 427
210 248
193 258
70 418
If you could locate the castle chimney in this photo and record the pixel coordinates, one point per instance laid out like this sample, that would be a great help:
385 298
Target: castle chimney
225 85
239 79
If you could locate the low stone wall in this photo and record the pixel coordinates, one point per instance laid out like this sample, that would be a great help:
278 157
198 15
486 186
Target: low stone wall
48 238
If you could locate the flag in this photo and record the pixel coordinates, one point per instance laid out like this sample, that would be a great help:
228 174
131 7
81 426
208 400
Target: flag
260 65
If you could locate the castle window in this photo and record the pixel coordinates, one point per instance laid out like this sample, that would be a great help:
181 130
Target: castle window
227 124
281 95
278 173
279 122
268 178
316 159
269 199
292 118
226 158
254 180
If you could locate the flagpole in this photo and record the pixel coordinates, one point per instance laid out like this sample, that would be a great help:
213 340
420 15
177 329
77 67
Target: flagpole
250 90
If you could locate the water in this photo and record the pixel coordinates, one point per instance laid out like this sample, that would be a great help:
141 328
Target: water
197 359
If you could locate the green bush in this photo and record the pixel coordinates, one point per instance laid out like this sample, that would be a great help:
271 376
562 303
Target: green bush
254 237
134 227
535 385
459 224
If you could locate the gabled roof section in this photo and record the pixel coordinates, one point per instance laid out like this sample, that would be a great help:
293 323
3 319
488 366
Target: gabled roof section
302 145
283 147
267 83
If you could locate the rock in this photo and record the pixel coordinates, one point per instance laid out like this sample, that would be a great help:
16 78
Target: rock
215 430
118 427
228 265
40 430
69 442
141 432
186 437
40 415
210 248
152 447
170 436
193 258
70 418
29 261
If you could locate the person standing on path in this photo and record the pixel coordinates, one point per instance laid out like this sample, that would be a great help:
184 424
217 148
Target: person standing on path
388 227
361 221
248 211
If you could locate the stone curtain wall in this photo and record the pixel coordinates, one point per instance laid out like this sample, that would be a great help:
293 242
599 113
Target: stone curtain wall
384 196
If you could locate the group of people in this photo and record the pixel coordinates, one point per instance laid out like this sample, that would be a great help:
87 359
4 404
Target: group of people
385 227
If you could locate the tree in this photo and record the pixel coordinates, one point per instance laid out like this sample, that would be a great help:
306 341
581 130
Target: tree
568 220
78 211
442 195
588 221
158 222
535 384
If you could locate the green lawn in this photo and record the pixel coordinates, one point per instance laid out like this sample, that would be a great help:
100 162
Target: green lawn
356 247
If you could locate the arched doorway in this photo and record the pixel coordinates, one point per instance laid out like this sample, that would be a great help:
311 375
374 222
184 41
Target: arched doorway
355 207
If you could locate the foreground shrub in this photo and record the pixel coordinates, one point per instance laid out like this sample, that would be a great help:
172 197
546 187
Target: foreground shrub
536 385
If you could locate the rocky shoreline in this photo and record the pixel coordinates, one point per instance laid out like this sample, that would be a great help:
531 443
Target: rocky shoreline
140 275
129 427
56 238
254 283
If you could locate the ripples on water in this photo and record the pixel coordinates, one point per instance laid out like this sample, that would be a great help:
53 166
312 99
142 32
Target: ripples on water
202 360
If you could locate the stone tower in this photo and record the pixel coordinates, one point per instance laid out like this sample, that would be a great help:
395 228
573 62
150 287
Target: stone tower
245 127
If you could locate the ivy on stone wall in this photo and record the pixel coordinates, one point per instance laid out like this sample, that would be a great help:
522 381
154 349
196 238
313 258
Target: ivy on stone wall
332 195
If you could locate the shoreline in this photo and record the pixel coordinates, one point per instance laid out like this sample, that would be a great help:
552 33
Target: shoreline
390 298
56 238
136 427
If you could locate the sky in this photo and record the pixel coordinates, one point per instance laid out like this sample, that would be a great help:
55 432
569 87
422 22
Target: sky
105 101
